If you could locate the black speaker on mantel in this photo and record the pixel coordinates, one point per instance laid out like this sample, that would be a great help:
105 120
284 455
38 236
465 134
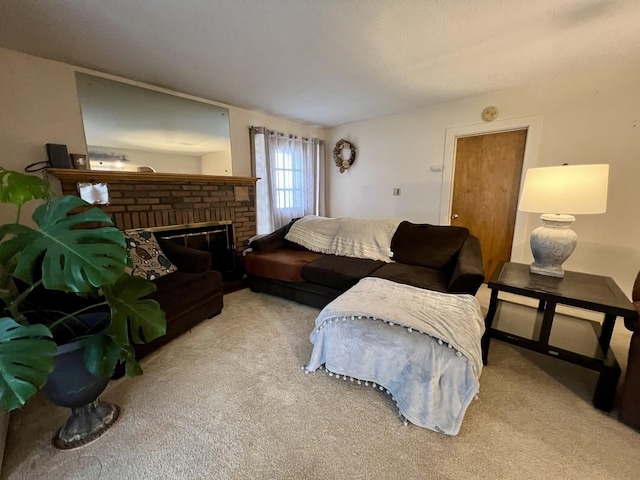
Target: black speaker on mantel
58 156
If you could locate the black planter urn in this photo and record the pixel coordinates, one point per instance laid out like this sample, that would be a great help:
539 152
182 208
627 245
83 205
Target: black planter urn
73 386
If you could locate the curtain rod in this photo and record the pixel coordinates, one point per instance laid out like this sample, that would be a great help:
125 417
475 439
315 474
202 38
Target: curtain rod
289 136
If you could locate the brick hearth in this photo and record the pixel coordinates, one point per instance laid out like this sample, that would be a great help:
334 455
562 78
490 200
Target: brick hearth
141 200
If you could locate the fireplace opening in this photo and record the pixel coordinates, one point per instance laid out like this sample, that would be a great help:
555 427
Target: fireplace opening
214 237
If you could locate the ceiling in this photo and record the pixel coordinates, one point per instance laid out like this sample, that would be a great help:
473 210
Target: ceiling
327 62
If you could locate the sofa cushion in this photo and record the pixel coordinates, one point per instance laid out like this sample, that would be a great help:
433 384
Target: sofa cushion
422 277
427 245
339 272
284 265
149 261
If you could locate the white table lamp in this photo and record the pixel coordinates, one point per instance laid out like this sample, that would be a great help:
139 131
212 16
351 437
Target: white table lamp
566 190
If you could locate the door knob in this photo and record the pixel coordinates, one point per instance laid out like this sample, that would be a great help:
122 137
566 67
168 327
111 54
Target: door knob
454 216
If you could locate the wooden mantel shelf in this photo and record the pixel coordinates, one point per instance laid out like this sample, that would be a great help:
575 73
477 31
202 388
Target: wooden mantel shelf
152 200
74 175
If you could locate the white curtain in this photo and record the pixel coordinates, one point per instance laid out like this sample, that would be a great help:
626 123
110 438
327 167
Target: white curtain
291 173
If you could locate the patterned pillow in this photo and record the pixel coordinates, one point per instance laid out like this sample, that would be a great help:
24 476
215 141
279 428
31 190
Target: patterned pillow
146 256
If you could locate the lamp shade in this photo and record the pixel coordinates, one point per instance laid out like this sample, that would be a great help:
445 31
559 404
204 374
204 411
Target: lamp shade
567 189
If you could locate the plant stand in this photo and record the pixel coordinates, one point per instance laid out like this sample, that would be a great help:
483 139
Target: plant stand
86 424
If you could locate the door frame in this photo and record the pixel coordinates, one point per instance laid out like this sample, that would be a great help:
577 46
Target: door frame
533 124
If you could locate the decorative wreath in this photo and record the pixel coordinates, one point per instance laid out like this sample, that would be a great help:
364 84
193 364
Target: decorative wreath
337 154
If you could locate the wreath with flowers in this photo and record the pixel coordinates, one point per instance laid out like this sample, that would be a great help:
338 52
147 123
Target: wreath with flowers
342 162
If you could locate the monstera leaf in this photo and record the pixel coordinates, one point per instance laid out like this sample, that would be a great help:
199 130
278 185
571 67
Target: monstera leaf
26 358
18 188
133 317
73 258
101 354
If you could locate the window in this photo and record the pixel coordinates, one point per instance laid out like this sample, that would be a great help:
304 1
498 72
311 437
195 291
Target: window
292 177
288 177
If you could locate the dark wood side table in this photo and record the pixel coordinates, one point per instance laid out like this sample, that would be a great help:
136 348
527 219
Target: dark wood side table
576 340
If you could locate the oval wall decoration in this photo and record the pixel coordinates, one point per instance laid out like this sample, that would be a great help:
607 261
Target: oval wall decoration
344 154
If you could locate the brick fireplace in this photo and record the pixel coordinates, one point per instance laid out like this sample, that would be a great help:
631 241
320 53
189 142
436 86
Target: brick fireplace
144 200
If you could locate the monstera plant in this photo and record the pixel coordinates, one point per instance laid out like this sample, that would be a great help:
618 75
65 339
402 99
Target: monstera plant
74 251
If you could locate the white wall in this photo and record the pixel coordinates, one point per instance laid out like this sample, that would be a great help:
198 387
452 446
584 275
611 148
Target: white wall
587 117
38 105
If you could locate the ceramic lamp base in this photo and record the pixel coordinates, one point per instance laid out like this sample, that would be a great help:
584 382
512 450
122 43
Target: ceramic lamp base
552 244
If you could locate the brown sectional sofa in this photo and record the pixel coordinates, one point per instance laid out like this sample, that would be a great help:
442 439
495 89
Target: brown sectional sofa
441 258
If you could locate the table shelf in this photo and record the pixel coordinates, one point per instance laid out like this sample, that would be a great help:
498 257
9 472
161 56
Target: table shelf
572 338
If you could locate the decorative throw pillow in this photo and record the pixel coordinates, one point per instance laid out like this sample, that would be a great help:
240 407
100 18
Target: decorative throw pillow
148 260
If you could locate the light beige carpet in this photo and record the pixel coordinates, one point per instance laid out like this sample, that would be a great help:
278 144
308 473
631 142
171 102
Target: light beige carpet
229 401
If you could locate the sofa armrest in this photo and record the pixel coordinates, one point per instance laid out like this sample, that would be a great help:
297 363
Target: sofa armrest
270 242
186 259
633 324
468 273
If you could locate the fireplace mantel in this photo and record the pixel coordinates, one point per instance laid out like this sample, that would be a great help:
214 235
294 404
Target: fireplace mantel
74 175
152 200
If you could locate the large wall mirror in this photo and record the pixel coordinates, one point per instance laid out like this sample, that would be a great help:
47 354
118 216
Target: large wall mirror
134 129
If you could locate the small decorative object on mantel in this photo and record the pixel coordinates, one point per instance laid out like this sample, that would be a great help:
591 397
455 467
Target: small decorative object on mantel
94 193
344 154
79 161
490 113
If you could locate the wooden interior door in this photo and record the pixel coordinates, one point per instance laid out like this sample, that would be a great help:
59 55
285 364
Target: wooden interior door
485 190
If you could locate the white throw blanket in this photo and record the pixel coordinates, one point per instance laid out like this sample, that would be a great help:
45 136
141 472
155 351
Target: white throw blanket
345 236
422 347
